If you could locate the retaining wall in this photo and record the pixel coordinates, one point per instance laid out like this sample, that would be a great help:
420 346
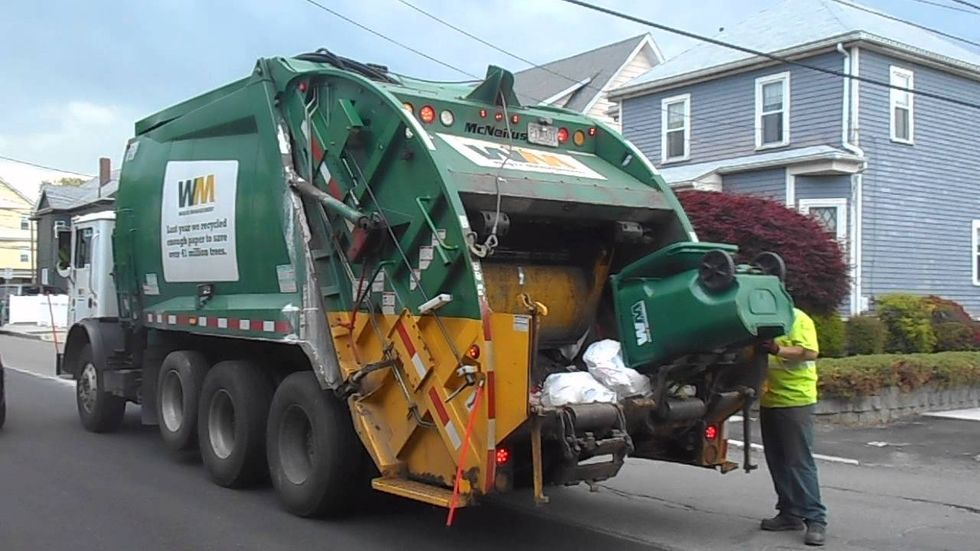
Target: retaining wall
891 404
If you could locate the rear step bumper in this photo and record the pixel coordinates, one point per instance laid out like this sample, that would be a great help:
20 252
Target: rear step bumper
419 491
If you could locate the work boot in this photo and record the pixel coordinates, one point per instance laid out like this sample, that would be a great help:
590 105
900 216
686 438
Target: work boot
815 534
782 522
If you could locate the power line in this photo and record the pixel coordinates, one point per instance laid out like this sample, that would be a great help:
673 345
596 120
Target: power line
907 22
491 45
773 57
690 118
965 3
44 167
947 6
392 40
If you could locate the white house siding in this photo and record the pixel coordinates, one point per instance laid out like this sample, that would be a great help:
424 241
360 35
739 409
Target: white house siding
920 200
641 63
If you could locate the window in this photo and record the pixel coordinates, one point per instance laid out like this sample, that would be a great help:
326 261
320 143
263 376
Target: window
903 120
830 213
25 255
83 247
25 222
975 260
772 111
675 135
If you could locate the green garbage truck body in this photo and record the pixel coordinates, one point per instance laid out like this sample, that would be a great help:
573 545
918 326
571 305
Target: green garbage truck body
324 269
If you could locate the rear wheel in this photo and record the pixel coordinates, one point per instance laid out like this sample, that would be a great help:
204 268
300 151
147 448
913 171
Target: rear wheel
316 461
231 422
98 410
178 393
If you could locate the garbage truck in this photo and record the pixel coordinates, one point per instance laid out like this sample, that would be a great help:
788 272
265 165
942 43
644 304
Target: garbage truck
338 278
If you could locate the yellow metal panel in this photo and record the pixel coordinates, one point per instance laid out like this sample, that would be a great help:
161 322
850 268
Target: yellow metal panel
418 491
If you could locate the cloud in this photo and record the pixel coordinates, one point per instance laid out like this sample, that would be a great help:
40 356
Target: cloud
71 135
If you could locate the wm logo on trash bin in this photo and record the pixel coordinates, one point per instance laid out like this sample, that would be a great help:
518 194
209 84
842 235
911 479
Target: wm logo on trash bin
640 323
196 191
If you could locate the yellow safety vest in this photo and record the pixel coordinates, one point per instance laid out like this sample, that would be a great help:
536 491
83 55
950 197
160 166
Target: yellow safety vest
793 383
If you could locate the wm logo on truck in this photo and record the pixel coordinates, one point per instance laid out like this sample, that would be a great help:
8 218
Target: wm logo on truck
196 191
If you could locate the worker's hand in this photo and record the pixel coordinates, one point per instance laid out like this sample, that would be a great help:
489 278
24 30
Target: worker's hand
770 346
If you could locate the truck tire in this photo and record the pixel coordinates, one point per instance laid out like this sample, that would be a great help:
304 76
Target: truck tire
98 410
316 460
178 395
231 422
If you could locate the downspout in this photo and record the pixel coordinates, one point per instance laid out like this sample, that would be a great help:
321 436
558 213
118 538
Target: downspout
856 182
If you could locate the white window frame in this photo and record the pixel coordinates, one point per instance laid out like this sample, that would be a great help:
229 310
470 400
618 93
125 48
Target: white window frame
664 103
759 83
840 204
25 221
25 252
893 72
975 242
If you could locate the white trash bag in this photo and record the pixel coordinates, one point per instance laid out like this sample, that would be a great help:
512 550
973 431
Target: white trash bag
576 387
605 362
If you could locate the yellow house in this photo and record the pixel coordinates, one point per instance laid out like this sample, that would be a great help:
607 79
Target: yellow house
16 235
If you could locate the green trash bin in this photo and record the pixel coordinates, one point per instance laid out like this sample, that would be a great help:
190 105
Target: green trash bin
691 298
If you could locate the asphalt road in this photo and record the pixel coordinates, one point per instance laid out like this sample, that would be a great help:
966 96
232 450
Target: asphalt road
64 488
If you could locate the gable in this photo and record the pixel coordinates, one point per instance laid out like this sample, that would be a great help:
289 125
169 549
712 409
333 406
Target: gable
576 82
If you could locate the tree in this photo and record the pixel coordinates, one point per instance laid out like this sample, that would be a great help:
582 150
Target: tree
66 181
816 273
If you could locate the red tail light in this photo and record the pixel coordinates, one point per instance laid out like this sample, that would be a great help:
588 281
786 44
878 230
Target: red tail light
514 119
710 432
427 114
473 352
562 135
498 116
483 113
503 456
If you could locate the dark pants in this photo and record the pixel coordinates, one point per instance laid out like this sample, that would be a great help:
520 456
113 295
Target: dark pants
787 434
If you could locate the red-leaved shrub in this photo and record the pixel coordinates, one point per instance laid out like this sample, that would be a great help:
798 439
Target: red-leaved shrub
816 271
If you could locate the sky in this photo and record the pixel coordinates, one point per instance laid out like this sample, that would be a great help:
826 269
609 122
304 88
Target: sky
75 75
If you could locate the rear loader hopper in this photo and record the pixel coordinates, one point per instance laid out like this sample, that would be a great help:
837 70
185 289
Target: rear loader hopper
405 263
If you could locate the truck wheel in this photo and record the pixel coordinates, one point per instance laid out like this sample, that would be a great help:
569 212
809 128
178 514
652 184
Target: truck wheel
178 394
231 423
98 410
315 457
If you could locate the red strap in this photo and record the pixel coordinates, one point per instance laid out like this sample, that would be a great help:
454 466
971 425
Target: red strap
462 455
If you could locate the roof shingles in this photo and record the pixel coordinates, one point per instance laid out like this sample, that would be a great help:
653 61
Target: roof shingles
797 23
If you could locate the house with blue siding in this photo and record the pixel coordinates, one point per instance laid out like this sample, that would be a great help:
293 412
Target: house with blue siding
894 175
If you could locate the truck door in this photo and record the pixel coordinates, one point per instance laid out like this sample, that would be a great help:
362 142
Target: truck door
81 302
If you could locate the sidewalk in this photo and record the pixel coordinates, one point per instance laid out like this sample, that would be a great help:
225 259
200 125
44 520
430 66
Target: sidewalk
32 331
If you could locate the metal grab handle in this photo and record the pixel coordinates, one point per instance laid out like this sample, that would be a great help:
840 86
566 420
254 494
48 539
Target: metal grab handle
441 246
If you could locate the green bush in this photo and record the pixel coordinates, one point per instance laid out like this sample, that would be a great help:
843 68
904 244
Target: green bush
866 335
830 335
953 335
866 375
955 329
909 322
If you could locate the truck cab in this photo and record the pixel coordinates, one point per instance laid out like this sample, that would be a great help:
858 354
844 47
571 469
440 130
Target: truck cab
91 289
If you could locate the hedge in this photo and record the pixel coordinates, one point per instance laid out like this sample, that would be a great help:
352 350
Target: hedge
866 335
909 322
864 375
830 335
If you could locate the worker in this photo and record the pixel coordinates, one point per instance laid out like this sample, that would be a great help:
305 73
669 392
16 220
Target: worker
786 415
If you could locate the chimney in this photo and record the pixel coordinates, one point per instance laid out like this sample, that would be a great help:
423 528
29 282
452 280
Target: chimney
105 171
